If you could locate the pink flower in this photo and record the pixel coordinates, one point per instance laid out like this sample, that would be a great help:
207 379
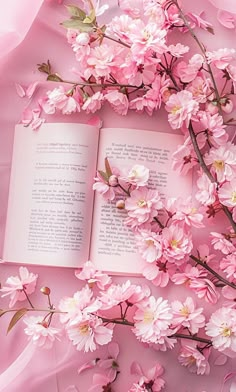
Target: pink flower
205 288
228 265
82 301
222 161
149 245
183 159
151 378
181 107
110 364
221 243
199 88
18 287
194 359
214 128
103 186
146 38
198 21
100 383
227 193
188 72
119 101
188 275
152 320
177 244
61 100
178 50
40 332
92 276
87 332
158 272
206 193
186 315
102 61
142 206
93 103
222 329
127 292
187 213
221 58
138 175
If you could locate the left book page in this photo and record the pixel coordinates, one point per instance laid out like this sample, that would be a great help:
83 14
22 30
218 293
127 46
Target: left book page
50 202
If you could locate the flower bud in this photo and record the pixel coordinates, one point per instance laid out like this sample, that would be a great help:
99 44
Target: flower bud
120 204
45 290
83 39
212 108
113 180
227 106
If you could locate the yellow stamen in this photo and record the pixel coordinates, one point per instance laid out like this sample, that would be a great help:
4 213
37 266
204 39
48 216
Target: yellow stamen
219 165
148 317
174 243
226 332
84 329
233 197
141 203
185 311
175 109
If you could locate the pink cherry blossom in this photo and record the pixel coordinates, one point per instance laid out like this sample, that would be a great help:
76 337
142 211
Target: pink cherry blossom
103 187
228 265
149 378
222 161
206 193
87 332
142 206
149 245
138 175
222 329
178 50
110 365
198 21
188 275
118 101
158 272
100 383
213 125
92 276
221 58
93 103
187 213
194 359
40 332
181 107
188 72
127 292
185 314
152 320
184 158
199 88
82 301
205 288
177 244
131 7
146 38
62 100
220 242
227 193
19 287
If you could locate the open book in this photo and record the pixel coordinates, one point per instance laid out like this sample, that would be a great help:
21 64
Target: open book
53 216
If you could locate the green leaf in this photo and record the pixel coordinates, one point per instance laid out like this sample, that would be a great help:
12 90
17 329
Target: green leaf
91 18
103 175
77 25
76 11
17 316
108 168
54 78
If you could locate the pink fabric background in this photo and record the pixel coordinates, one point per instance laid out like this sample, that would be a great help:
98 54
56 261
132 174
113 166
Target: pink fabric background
22 46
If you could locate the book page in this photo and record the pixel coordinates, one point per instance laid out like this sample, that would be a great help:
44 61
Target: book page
51 200
113 247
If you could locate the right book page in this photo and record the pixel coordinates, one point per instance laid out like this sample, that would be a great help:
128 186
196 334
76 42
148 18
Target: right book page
113 246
